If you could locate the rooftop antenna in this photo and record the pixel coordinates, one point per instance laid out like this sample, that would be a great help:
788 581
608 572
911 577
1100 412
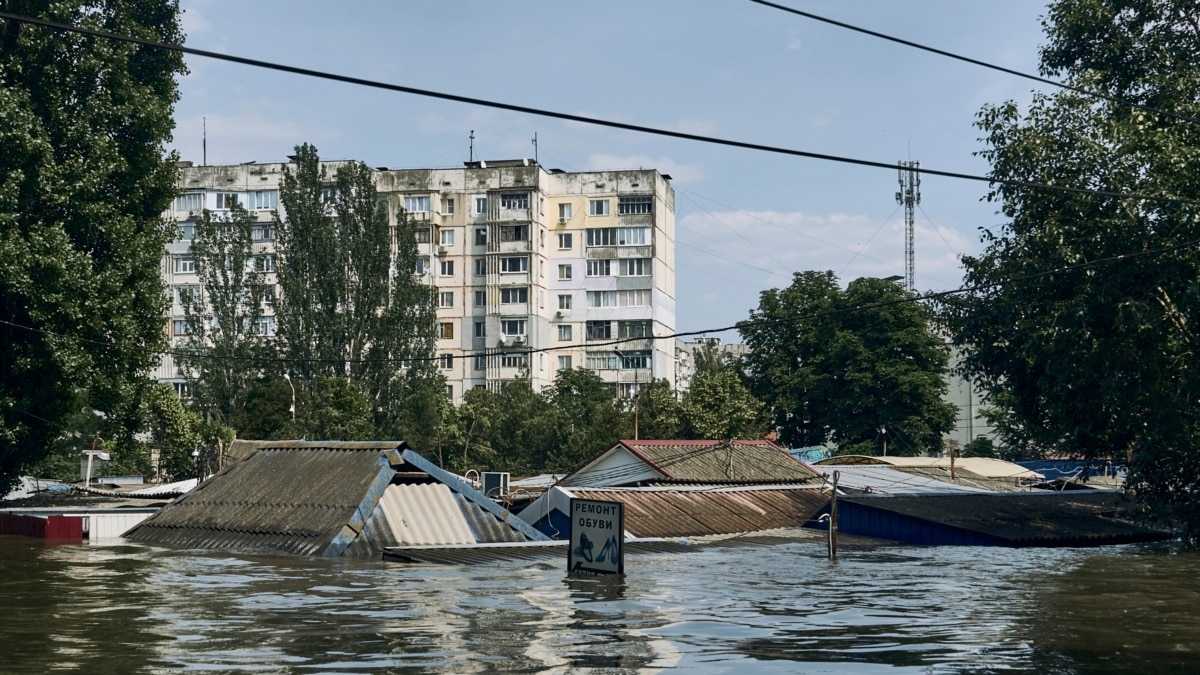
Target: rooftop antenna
910 196
204 143
472 157
535 147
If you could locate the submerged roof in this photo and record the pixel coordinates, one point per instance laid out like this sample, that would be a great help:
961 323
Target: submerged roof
330 498
678 461
890 481
688 510
1023 519
986 467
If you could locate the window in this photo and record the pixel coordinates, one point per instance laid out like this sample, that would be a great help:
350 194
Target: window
480 267
265 262
447 267
635 204
481 236
448 206
634 329
423 235
446 299
564 332
564 271
516 264
598 207
602 299
189 201
480 298
514 360
180 327
263 200
447 237
187 231
446 361
185 265
262 233
513 327
514 233
602 236
602 361
187 294
513 296
479 362
634 267
599 330
480 206
446 331
416 204
564 302
450 391
564 213
514 200
564 363
226 200
599 268
480 329
633 236
635 360
422 265
564 240
265 326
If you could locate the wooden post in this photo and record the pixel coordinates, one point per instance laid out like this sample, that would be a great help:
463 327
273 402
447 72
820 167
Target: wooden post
833 518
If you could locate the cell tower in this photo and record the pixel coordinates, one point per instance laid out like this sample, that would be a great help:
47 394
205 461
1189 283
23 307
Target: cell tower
909 195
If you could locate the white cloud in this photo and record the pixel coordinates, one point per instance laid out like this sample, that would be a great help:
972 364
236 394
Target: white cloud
681 174
794 43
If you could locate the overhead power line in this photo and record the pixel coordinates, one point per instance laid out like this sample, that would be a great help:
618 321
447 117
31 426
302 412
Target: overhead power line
541 112
597 345
977 62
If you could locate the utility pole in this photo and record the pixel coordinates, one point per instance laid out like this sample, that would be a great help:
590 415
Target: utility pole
910 196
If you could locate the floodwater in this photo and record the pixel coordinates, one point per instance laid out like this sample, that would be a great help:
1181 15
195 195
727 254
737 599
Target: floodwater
125 608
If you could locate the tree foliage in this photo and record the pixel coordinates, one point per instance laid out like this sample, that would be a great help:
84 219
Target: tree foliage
84 179
349 304
1100 358
225 344
850 362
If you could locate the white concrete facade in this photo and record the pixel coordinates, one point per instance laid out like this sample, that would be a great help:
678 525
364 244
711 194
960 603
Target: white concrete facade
534 268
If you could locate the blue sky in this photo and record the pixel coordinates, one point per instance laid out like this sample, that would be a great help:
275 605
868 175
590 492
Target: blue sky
746 220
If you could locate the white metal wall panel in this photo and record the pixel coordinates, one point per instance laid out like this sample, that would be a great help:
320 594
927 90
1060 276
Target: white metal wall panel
112 525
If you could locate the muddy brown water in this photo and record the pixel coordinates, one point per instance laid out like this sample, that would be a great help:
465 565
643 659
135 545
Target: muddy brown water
125 608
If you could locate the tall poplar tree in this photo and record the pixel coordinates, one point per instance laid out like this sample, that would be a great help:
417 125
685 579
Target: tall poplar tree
84 180
224 315
350 305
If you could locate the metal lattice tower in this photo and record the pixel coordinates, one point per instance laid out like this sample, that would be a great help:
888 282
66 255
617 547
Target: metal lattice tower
909 195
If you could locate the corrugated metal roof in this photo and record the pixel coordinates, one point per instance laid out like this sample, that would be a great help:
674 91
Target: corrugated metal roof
686 461
326 498
986 467
889 481
721 510
1023 519
533 551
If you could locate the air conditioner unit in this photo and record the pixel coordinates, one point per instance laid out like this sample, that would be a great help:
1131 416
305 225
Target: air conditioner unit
558 314
561 220
519 340
495 483
194 214
443 250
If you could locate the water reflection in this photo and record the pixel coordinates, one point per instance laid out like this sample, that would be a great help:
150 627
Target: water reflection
131 608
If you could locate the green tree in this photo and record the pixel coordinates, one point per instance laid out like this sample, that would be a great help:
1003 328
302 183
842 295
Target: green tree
224 314
718 406
589 418
660 413
84 179
850 362
349 304
1098 358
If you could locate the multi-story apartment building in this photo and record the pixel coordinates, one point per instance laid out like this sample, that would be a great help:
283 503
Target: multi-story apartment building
534 269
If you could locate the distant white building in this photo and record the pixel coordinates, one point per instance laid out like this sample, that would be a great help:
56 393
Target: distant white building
524 259
685 357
